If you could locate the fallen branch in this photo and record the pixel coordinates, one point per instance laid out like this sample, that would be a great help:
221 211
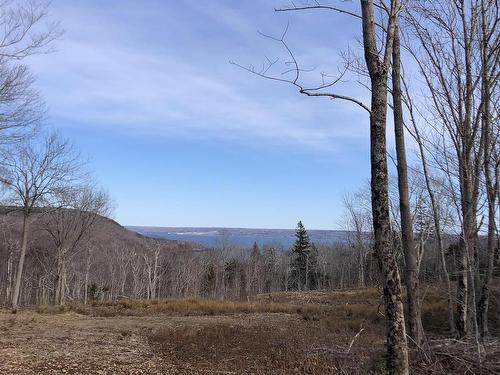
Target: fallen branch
354 339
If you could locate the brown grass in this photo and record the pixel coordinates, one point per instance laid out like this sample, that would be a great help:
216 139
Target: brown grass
279 333
181 307
340 310
297 347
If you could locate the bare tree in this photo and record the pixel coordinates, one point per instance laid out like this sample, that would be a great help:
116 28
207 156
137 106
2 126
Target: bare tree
377 60
378 68
358 222
409 248
78 209
11 242
34 174
490 53
433 197
447 49
151 258
89 249
25 30
21 106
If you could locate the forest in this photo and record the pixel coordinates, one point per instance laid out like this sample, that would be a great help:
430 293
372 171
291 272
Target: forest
424 245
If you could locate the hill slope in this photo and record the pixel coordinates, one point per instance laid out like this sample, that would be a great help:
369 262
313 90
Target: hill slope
105 231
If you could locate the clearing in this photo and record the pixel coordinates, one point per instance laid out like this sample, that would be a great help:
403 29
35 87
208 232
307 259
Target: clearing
284 333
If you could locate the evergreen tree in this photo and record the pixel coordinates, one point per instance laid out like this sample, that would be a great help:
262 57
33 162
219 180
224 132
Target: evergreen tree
255 249
234 278
304 264
209 281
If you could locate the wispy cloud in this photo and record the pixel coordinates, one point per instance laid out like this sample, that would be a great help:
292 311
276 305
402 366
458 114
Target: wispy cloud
157 78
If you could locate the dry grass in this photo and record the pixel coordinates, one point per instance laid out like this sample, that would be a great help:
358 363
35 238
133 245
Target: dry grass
343 310
299 347
337 311
325 298
182 307
279 333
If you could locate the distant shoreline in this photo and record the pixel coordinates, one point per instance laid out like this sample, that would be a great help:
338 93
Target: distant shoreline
241 237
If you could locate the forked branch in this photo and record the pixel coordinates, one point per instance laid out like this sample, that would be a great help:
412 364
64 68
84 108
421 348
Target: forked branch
292 67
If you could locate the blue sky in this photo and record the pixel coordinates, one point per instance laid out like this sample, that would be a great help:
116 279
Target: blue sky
180 137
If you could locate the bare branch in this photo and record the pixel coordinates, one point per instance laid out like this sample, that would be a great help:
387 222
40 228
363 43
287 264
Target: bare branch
295 68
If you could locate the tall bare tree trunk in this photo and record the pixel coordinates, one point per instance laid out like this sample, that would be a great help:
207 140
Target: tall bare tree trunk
10 269
464 248
483 303
361 266
57 291
87 272
409 248
397 350
396 331
491 179
437 227
64 276
467 178
20 266
61 277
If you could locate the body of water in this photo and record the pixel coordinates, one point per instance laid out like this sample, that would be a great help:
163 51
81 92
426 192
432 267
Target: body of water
240 237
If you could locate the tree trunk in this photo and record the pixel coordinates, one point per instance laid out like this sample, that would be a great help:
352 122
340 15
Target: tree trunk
307 272
464 248
397 350
491 182
361 257
409 248
396 331
57 290
61 277
10 269
361 269
20 267
87 272
483 303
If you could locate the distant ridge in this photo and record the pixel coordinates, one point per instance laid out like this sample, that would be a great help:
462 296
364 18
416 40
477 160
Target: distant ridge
106 231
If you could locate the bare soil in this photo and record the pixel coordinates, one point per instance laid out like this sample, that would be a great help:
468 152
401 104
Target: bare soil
189 337
307 333
69 343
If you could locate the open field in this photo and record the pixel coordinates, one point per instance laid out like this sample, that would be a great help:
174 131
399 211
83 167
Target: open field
285 333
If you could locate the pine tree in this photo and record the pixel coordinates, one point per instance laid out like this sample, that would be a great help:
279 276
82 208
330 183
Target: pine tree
303 275
255 253
209 281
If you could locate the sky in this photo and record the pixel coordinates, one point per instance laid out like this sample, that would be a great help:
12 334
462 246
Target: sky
179 136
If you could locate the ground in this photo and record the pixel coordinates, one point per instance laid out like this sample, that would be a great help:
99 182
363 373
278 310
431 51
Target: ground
308 333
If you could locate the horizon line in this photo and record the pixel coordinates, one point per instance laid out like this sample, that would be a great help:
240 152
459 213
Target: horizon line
215 227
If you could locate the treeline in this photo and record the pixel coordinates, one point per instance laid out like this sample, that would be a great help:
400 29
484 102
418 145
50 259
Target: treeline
106 262
113 263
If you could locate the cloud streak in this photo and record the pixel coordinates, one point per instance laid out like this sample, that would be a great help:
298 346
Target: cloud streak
164 80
